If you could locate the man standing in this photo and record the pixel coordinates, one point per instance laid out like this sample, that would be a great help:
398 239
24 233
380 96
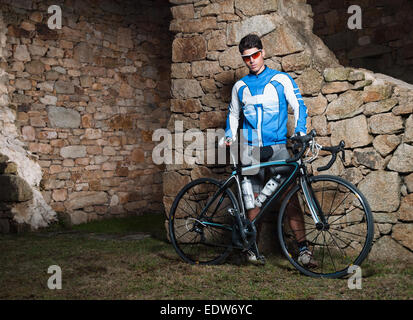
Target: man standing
262 97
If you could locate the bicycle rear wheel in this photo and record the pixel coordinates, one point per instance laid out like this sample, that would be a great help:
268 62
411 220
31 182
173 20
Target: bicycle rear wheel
344 240
202 235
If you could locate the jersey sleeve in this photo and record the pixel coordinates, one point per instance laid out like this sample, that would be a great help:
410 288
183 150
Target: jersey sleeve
234 109
294 98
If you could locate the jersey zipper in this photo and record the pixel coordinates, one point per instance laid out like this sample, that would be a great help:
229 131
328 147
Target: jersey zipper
259 126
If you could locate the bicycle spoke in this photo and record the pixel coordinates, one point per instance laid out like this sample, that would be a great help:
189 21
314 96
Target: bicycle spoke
341 239
193 238
335 242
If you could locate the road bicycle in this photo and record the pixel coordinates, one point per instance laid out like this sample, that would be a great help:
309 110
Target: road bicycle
208 219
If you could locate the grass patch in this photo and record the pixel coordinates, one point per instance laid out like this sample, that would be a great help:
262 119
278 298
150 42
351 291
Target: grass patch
149 223
150 269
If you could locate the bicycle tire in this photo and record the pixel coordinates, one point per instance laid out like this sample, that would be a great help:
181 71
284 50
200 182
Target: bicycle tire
358 217
186 225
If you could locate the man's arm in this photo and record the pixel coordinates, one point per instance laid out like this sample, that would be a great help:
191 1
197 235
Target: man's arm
294 98
234 109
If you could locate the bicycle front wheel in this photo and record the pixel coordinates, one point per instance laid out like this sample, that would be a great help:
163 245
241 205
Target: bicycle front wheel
343 239
200 226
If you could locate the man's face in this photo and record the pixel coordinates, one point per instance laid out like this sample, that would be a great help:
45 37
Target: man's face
254 59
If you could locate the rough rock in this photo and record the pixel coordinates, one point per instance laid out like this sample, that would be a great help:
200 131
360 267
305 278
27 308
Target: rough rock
369 158
353 131
281 42
402 160
61 117
385 144
405 212
259 7
377 93
379 107
186 88
386 249
315 105
382 190
408 132
73 152
385 123
336 74
173 182
14 189
309 82
261 24
188 49
403 233
84 199
347 105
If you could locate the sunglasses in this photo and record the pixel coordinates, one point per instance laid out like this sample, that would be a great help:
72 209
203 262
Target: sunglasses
255 55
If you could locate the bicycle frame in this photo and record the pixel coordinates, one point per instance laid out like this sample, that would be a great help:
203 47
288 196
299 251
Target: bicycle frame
297 169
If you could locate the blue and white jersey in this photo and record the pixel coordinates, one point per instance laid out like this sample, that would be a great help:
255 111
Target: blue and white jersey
264 99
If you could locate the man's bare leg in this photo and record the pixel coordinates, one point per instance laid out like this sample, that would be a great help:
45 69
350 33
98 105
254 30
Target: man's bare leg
296 219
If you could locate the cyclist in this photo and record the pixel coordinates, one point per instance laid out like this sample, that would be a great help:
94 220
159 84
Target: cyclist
263 96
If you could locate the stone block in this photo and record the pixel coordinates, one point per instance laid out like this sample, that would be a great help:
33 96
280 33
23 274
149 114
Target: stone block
259 7
385 144
382 190
403 233
315 105
385 123
23 84
73 152
231 58
60 117
83 199
346 105
205 68
14 189
186 88
336 74
185 106
405 212
297 61
65 87
260 24
309 82
183 12
408 132
283 41
369 158
335 87
386 249
173 182
193 26
212 119
188 49
402 160
353 131
124 38
377 93
21 53
383 106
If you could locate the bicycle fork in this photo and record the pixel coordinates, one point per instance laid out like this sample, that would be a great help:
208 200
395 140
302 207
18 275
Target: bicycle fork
313 205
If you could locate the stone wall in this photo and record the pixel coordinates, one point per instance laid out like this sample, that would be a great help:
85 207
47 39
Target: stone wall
87 98
21 203
370 112
385 42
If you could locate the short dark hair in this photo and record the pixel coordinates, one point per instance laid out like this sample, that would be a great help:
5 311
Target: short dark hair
249 41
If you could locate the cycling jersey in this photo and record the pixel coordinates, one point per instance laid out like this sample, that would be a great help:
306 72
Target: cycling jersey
264 99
